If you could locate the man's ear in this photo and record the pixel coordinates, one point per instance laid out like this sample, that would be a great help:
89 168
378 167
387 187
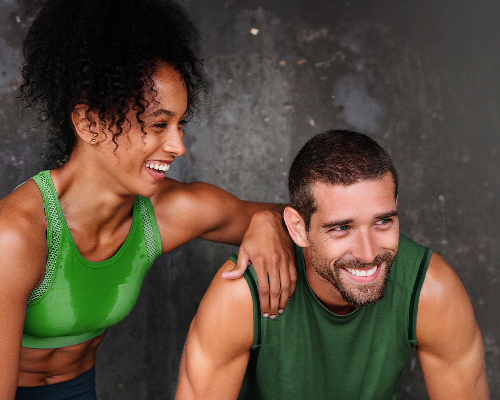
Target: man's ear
85 124
296 226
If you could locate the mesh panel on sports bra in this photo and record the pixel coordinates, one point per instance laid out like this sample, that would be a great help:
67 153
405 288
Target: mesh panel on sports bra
53 220
149 235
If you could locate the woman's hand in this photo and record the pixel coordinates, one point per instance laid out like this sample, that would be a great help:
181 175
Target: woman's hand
269 248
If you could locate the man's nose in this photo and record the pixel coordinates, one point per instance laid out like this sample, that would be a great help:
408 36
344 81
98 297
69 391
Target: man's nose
365 249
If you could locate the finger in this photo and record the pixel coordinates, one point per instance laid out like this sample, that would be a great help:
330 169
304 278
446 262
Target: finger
263 284
285 281
240 267
285 290
274 289
292 270
288 284
288 278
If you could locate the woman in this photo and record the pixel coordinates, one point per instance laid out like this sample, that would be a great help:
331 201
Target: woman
115 80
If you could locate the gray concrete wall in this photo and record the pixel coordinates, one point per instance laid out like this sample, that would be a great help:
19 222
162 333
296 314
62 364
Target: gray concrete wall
421 77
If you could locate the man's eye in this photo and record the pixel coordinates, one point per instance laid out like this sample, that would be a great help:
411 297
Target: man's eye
383 221
341 228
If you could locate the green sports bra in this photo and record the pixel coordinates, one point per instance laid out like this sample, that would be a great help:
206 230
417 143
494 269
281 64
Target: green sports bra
78 299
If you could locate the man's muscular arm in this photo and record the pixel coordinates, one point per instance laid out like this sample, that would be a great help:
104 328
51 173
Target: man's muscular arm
218 345
450 347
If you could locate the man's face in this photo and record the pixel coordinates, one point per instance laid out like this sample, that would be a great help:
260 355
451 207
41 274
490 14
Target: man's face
353 238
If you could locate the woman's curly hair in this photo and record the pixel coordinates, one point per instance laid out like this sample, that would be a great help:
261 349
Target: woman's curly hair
102 53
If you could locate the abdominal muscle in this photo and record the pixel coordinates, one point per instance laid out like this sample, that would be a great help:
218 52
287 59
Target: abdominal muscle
39 367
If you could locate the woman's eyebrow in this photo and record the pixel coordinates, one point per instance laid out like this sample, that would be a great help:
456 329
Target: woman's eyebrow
161 111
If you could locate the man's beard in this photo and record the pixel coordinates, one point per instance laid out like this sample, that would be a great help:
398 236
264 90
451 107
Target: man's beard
356 294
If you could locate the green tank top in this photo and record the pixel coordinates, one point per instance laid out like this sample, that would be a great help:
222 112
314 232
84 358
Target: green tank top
78 299
311 353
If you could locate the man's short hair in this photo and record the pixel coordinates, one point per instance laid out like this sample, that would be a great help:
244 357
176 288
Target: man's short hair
336 157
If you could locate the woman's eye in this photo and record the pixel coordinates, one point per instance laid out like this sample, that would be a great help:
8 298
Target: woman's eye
161 125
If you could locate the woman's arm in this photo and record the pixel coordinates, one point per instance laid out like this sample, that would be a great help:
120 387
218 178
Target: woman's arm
22 265
186 211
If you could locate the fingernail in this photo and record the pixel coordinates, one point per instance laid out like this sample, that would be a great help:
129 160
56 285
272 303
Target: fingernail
265 315
281 311
272 316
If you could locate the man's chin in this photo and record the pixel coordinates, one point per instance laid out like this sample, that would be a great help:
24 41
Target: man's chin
360 301
359 295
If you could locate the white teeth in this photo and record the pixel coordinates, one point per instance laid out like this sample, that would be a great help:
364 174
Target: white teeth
363 272
158 167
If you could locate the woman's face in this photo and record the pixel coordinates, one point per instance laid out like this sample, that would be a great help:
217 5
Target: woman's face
139 162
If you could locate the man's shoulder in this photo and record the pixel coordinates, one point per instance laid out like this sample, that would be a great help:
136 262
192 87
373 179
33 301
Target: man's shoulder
411 260
237 289
229 297
408 246
225 315
410 253
441 282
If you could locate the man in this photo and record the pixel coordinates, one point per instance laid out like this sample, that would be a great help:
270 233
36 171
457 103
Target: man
365 295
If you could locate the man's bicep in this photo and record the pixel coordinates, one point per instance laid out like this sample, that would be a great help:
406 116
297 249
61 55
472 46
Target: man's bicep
449 342
462 377
218 346
209 374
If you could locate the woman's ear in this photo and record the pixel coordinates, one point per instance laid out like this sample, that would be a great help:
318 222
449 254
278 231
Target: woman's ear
296 226
85 124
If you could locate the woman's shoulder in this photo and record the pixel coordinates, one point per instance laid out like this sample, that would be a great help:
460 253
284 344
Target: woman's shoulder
184 211
22 212
23 233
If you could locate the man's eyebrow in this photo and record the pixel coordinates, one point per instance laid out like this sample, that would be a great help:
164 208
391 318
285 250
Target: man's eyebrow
342 222
337 223
387 215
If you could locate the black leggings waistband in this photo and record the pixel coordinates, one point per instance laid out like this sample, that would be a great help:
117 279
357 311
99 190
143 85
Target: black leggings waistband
80 388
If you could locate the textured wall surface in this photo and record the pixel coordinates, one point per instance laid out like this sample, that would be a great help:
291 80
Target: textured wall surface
421 77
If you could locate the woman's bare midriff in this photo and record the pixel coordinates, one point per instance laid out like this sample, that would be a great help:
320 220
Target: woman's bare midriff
40 367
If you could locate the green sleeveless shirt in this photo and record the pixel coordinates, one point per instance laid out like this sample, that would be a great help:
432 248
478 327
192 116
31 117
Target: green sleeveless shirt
78 299
310 353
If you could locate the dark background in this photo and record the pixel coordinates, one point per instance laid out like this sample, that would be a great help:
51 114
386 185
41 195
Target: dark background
421 77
